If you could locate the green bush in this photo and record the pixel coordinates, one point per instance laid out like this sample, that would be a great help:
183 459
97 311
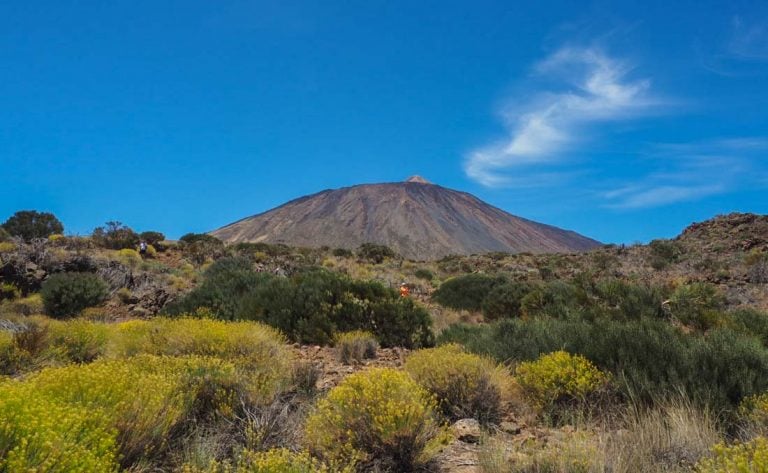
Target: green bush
505 300
466 292
30 224
664 252
374 253
224 285
311 307
424 273
342 253
751 322
648 358
66 294
152 238
697 305
199 247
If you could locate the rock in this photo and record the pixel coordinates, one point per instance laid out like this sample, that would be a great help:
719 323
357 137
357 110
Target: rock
510 428
467 430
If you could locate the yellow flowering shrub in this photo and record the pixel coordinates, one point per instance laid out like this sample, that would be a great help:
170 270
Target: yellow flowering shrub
356 345
30 305
559 376
754 412
377 415
749 457
259 351
38 433
80 341
129 257
465 384
279 460
143 398
7 246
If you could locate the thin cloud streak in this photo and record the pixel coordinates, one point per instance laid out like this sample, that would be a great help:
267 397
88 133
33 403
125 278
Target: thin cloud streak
554 122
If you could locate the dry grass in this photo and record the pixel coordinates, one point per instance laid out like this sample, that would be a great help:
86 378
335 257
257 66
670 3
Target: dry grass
669 438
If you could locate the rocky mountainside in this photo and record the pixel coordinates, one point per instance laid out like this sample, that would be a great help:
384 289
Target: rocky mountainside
418 219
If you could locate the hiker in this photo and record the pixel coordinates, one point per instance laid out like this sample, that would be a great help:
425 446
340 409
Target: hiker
143 248
405 291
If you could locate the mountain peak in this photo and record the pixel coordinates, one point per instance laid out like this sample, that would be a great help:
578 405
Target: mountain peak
418 221
418 179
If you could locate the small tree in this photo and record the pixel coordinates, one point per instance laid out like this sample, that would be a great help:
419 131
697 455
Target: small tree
115 236
374 253
152 238
200 246
30 224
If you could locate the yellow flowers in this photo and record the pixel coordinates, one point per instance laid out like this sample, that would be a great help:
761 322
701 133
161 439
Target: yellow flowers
466 385
559 375
379 413
148 379
749 457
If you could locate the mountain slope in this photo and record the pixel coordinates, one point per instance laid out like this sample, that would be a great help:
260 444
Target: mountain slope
417 219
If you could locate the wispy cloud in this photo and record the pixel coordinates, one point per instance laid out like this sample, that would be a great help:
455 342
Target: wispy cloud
691 171
554 122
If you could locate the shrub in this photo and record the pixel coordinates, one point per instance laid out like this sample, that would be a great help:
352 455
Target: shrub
423 273
749 457
505 300
7 247
66 294
224 285
374 253
115 236
697 305
648 357
664 252
356 345
129 257
311 307
29 305
199 247
152 238
559 376
579 452
4 235
379 415
466 292
41 434
342 253
78 340
142 399
9 291
259 349
30 224
465 385
752 322
279 460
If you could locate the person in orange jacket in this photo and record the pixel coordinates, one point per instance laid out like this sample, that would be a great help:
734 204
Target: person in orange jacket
405 291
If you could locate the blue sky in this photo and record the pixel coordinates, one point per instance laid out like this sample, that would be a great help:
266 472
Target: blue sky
623 121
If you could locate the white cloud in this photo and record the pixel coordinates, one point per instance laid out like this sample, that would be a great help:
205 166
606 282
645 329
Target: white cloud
550 125
685 172
663 195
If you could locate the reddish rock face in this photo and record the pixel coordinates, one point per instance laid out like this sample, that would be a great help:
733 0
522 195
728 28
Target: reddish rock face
417 219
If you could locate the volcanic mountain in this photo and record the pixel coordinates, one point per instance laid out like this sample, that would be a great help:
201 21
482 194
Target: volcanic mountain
416 218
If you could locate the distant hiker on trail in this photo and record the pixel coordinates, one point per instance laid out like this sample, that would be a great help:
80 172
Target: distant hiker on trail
143 248
405 291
